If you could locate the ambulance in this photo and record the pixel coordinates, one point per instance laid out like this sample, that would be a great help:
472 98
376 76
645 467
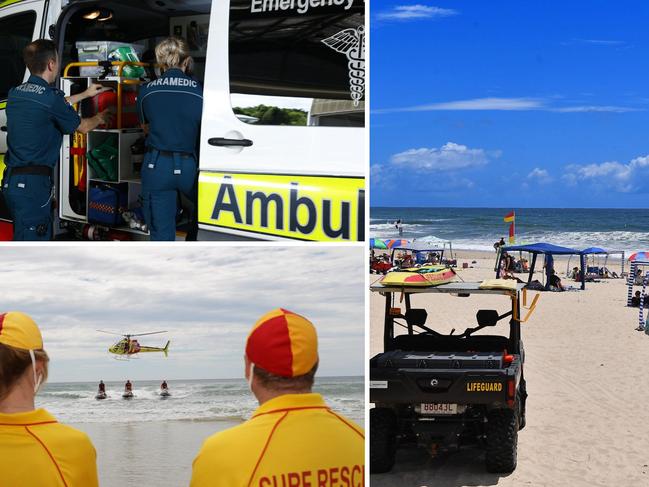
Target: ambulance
282 143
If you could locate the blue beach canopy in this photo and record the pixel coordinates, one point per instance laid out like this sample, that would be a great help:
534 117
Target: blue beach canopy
542 248
545 249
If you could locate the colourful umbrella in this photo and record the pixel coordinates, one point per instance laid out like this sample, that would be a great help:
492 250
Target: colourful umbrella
639 256
399 242
376 243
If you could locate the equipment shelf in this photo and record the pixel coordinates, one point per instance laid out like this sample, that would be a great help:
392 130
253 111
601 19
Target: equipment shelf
74 194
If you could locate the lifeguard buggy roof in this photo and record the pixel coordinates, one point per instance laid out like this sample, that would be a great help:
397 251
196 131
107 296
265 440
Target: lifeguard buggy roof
450 288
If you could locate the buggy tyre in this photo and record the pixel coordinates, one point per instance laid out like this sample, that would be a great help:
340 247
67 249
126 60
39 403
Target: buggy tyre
383 440
502 440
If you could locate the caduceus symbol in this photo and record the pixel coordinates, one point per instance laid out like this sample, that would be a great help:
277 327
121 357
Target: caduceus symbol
351 42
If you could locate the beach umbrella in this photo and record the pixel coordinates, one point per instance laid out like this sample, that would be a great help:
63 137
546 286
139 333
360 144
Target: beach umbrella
399 242
376 243
639 256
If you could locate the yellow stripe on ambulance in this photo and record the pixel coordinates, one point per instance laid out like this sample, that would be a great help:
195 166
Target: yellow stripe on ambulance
315 208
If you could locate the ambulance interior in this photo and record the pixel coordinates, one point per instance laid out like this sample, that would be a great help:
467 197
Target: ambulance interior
273 57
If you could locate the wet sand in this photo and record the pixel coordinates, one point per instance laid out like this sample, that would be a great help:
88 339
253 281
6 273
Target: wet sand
146 454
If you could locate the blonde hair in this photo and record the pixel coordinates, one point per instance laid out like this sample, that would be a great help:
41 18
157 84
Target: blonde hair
13 364
172 52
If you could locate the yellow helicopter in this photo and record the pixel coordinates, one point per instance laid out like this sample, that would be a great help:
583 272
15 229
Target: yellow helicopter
129 347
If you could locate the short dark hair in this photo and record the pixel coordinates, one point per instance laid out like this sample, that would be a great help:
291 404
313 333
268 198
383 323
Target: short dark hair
285 384
13 364
38 53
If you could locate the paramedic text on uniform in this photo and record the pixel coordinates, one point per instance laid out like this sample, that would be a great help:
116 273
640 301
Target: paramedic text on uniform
170 111
293 438
35 450
37 117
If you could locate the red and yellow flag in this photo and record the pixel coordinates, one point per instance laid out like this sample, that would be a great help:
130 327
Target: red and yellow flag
511 219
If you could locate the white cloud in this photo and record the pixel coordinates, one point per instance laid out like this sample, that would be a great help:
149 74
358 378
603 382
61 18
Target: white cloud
449 157
415 12
597 42
540 175
595 108
623 178
206 297
506 104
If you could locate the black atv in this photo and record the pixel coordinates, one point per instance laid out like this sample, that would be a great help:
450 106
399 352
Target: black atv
444 392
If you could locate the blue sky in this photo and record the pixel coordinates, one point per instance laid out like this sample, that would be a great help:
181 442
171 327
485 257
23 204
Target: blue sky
510 104
206 297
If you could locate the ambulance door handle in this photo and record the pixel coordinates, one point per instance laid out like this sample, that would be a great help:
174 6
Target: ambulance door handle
223 142
3 128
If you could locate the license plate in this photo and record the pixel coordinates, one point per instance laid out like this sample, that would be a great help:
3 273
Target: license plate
433 408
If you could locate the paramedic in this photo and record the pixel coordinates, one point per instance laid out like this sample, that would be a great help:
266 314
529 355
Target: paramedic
293 438
38 115
170 112
35 450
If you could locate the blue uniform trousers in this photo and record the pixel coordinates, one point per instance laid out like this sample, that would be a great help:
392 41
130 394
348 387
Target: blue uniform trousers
163 175
29 199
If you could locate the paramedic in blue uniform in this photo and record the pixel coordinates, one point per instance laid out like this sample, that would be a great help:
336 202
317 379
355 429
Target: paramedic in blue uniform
170 111
38 115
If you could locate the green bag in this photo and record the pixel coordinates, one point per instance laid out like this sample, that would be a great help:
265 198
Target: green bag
127 53
103 159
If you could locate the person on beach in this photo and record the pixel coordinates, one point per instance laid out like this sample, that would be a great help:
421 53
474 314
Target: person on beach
35 449
554 282
576 274
638 277
500 243
293 438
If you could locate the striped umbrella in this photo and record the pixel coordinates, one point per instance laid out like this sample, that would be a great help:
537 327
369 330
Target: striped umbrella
376 243
399 242
639 256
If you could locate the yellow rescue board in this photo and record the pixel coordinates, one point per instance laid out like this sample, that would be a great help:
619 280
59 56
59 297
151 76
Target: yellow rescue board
419 277
317 208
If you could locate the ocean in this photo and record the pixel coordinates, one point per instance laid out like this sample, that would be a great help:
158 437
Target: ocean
479 228
149 441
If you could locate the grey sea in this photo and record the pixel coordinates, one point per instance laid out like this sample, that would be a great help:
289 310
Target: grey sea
150 441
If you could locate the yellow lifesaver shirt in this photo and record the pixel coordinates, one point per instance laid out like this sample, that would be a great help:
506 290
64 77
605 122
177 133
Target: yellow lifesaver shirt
37 451
293 440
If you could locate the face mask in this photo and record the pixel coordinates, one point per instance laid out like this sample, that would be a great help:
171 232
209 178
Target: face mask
37 381
250 375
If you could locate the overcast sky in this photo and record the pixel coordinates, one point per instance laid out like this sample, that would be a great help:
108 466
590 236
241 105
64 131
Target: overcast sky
207 298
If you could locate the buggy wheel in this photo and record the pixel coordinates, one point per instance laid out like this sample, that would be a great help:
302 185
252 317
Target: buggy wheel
502 439
383 440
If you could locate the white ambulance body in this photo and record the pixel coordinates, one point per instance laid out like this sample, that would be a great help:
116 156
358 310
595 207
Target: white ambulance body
269 168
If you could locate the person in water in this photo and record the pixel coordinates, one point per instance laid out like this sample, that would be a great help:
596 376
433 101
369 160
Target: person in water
128 387
35 449
163 386
102 386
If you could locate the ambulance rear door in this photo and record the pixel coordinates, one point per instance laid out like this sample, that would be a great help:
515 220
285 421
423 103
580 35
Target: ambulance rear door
282 138
21 21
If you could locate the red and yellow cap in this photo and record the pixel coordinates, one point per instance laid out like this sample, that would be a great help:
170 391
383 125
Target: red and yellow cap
283 343
19 331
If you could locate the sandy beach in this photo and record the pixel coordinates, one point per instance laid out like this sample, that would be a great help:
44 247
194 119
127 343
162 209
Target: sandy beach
586 378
